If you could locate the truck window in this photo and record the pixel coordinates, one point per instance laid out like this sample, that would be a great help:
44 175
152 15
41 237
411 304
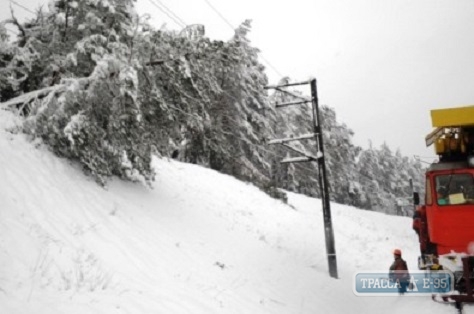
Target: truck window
454 189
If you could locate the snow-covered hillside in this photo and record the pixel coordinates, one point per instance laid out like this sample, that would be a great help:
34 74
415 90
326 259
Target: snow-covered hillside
198 242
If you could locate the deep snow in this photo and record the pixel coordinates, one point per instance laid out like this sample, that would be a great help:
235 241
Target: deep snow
198 242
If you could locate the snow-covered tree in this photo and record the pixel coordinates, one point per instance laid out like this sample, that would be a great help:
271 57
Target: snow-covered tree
208 97
385 178
79 58
101 86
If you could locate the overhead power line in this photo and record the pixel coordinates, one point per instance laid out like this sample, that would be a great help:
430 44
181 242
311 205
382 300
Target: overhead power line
177 20
233 28
220 15
22 6
270 65
172 13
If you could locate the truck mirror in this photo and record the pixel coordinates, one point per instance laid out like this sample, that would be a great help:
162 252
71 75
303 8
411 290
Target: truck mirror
416 198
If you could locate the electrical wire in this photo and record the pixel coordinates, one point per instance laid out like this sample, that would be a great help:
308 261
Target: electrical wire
220 15
233 28
180 24
22 6
172 13
270 65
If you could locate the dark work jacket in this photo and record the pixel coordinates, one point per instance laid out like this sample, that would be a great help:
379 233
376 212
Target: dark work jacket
399 270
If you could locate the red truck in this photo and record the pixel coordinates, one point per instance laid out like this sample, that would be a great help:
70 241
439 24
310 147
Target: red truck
445 222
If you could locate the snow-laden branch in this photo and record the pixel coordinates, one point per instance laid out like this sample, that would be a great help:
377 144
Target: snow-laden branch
28 97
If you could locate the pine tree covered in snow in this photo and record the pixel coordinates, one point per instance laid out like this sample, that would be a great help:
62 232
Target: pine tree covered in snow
384 179
108 90
239 110
341 156
208 100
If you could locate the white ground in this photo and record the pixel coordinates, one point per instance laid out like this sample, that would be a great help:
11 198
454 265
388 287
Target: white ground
199 242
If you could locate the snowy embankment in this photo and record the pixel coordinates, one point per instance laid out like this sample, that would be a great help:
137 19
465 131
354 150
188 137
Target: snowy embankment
198 242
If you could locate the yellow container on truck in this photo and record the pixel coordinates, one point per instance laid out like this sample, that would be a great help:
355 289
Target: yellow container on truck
453 117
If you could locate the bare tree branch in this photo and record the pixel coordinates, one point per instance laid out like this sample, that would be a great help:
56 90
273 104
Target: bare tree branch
15 22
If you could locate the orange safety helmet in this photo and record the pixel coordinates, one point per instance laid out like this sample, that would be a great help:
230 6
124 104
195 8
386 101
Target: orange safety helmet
397 252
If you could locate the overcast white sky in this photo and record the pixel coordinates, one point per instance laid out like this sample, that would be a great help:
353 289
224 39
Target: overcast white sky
383 65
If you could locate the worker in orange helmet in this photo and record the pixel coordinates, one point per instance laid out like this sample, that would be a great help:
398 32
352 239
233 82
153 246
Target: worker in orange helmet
399 272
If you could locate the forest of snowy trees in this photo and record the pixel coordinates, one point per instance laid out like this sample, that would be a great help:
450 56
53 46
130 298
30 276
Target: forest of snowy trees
100 86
